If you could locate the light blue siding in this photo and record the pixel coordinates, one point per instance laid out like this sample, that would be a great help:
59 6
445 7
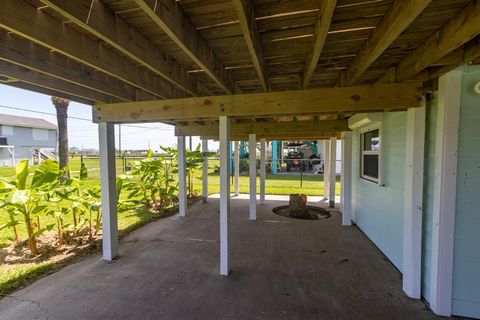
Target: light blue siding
23 141
378 210
466 262
429 169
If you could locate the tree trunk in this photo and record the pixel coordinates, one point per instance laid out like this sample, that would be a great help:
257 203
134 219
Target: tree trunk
61 105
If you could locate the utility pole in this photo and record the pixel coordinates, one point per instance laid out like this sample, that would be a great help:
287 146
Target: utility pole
119 140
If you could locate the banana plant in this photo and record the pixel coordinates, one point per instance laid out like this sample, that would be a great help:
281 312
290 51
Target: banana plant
28 200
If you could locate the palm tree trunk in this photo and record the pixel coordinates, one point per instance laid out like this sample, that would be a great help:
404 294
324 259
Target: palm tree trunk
61 105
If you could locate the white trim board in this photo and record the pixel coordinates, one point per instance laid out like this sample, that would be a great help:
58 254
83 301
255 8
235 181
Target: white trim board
412 222
444 194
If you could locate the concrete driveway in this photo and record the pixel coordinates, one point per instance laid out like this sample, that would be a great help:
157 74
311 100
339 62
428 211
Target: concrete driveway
281 269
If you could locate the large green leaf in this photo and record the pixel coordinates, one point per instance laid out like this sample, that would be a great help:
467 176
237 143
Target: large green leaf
47 173
149 153
9 224
18 197
21 171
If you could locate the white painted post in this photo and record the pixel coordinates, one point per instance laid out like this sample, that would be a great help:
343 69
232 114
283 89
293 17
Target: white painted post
252 164
237 168
332 172
444 192
204 171
182 179
106 135
262 170
346 178
224 133
326 170
412 220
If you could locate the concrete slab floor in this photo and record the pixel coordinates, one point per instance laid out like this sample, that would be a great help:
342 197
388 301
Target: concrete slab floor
281 269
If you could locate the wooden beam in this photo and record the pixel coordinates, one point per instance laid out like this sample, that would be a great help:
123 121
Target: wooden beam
48 92
22 19
246 16
397 19
283 137
23 53
266 128
106 25
322 25
457 31
171 19
45 81
298 102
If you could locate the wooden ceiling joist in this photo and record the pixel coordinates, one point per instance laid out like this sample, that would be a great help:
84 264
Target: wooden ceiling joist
45 81
299 102
106 25
400 15
322 25
463 27
46 31
247 21
48 92
21 52
171 19
293 127
284 137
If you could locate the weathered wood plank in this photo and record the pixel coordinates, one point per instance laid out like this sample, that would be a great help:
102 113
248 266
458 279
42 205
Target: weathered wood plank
104 24
460 29
26 21
168 15
400 15
344 99
248 24
322 25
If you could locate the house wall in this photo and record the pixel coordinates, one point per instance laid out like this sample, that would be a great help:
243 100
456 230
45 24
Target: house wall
378 210
466 260
26 140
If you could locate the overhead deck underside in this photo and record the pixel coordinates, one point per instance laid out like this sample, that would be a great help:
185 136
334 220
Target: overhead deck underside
107 51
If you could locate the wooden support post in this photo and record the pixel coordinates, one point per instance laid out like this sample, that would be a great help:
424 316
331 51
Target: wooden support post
333 172
326 170
262 170
346 178
106 134
252 165
182 179
237 168
224 194
445 192
204 170
412 221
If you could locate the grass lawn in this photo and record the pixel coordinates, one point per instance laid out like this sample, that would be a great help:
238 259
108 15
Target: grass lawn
14 275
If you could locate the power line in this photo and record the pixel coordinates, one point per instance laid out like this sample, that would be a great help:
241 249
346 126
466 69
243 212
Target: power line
83 119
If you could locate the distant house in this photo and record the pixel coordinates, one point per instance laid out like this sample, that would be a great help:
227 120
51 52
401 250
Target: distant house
26 138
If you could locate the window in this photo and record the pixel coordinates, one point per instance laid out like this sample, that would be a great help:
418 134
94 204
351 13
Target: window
7 130
370 155
40 134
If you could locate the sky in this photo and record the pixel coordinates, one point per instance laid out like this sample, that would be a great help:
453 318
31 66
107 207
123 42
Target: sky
84 133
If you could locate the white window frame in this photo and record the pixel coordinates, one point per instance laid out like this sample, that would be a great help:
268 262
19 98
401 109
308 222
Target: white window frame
365 129
7 130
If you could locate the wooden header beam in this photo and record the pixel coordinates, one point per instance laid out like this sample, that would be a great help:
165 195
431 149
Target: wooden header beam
268 128
316 101
284 137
